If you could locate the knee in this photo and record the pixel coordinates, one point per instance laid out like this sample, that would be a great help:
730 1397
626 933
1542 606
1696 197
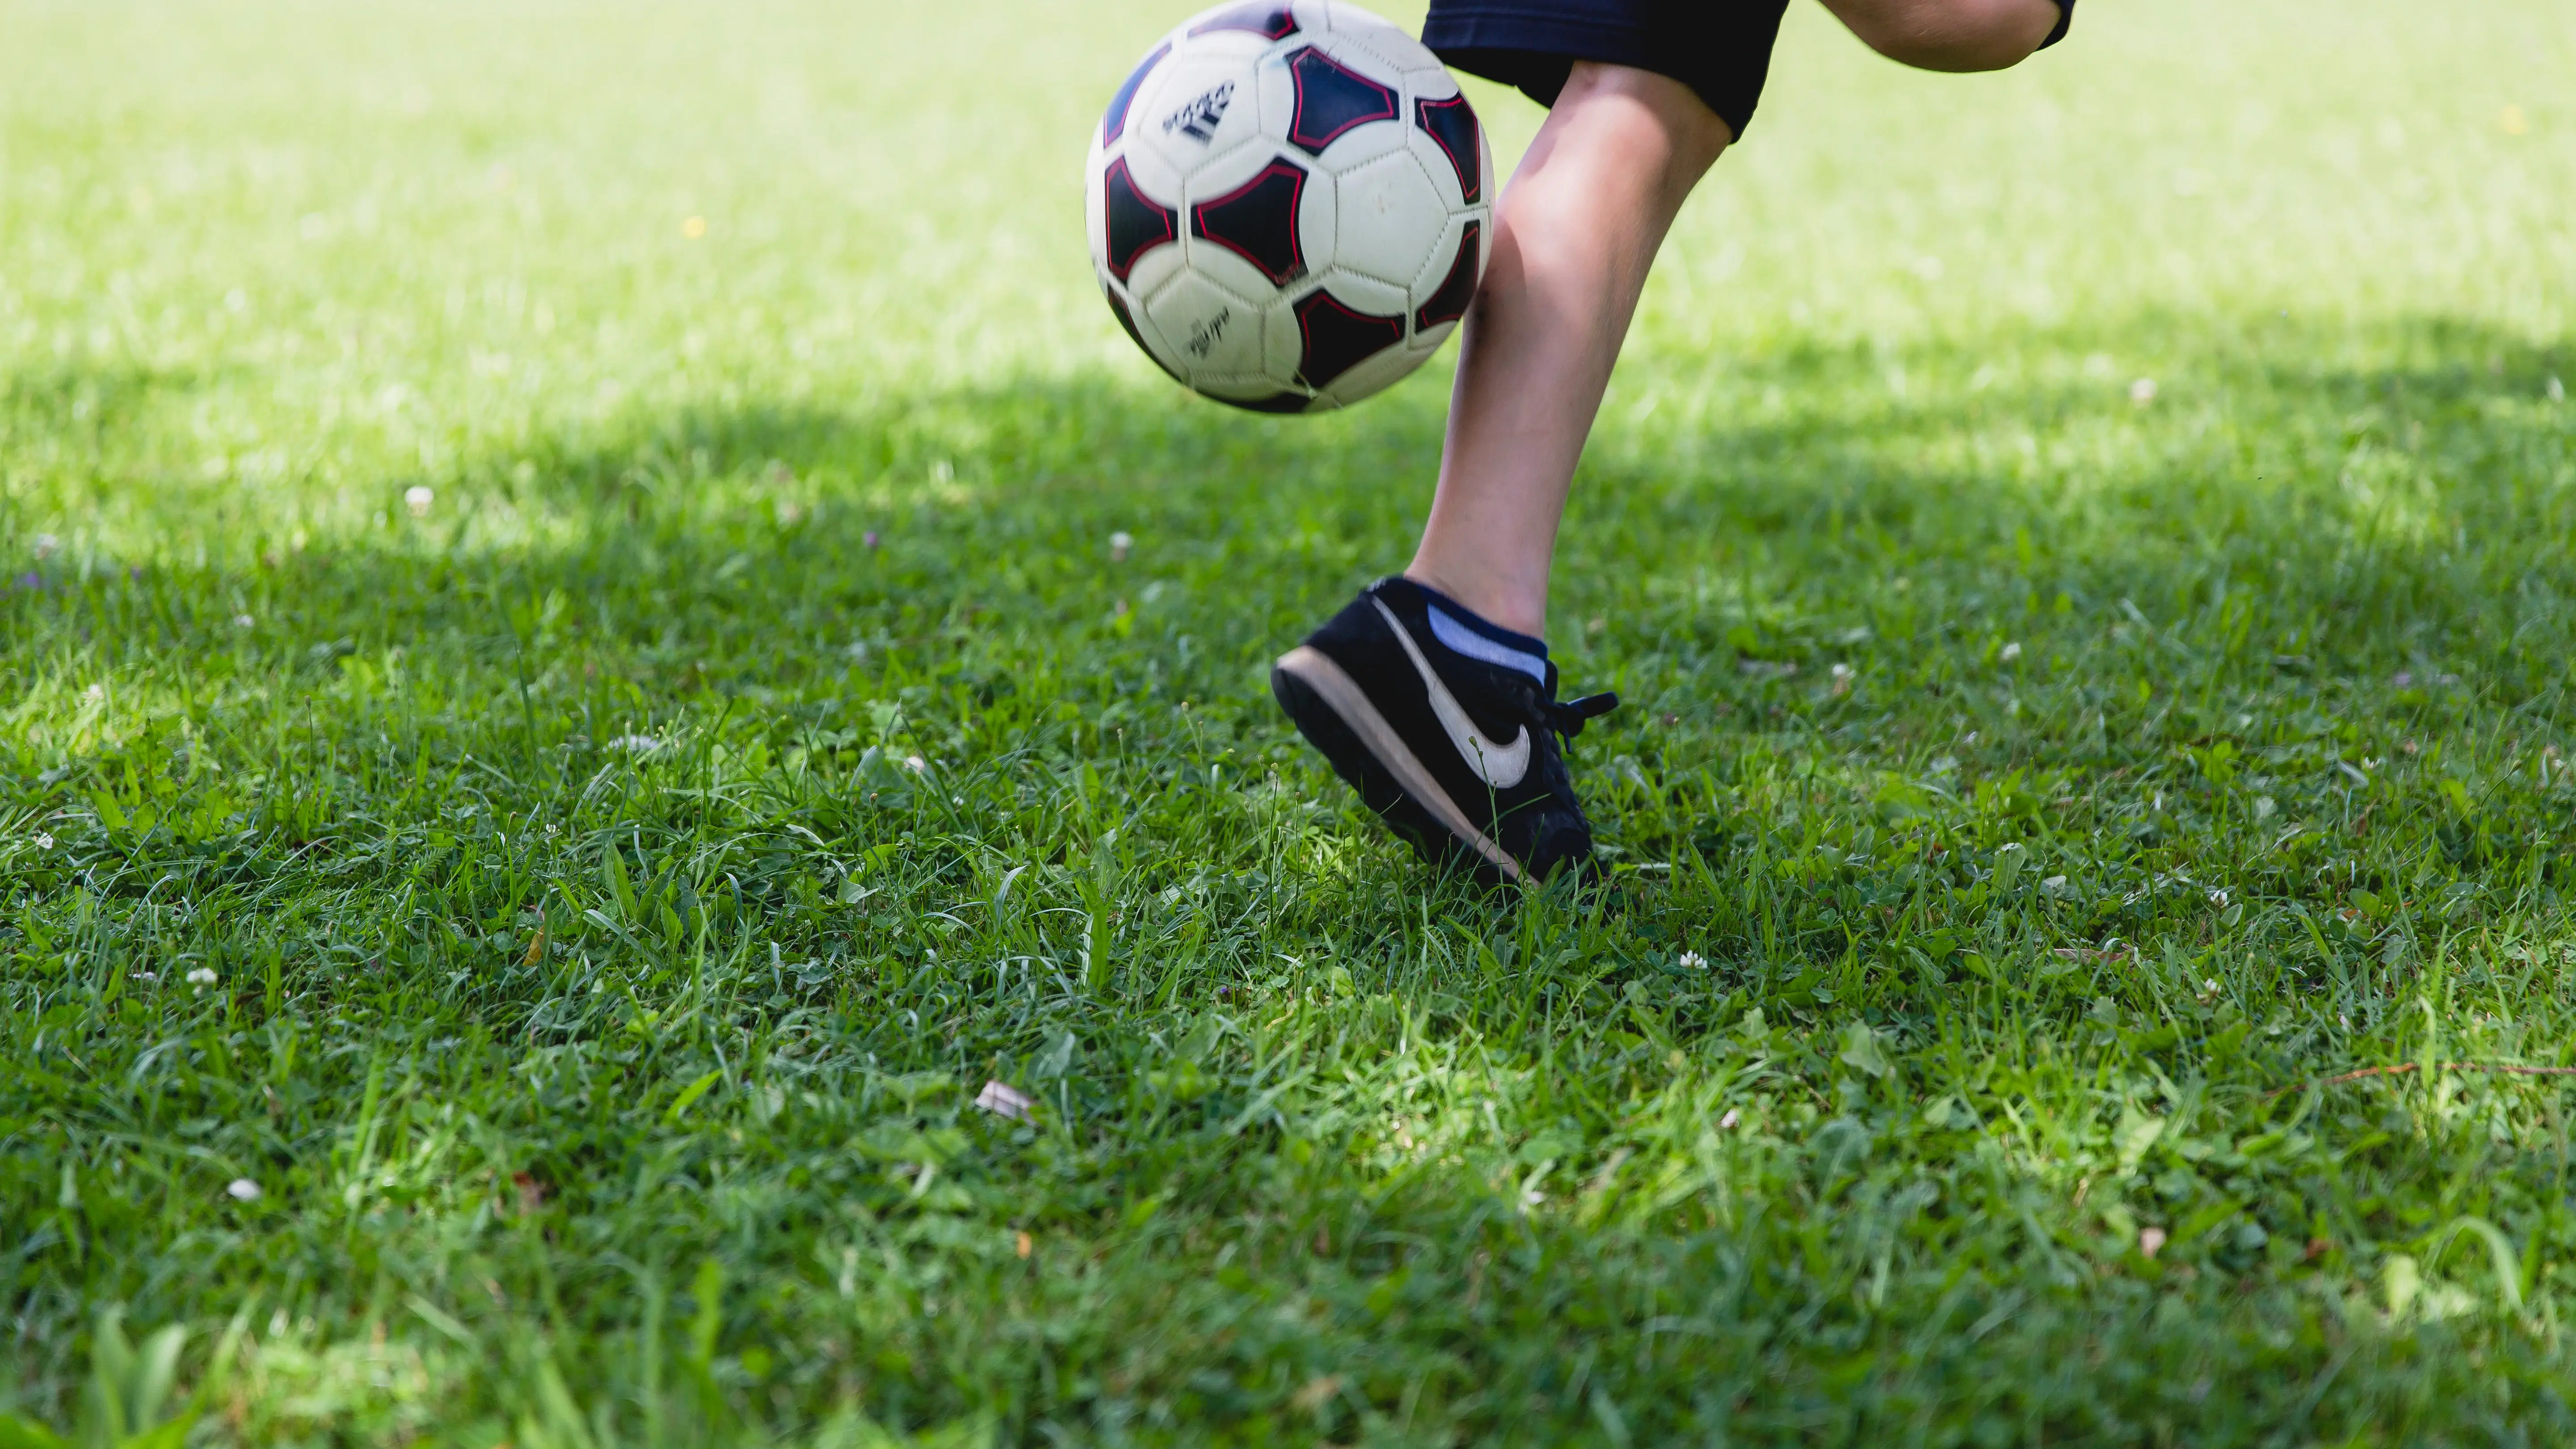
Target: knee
1652 117
1951 35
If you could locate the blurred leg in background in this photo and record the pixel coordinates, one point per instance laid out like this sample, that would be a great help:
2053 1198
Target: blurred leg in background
1954 35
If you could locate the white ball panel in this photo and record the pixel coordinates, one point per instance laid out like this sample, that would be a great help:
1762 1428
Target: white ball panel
1280 341
1319 219
1154 270
1431 83
1391 219
1201 109
1157 346
1206 328
1242 47
1278 94
1391 51
1095 224
1360 145
1152 171
1224 269
1366 59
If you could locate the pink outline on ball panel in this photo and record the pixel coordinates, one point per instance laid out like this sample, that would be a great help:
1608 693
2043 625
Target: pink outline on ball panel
1256 219
1455 141
1134 222
1458 289
1337 338
1332 99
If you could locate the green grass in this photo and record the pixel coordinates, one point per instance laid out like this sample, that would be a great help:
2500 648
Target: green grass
2025 795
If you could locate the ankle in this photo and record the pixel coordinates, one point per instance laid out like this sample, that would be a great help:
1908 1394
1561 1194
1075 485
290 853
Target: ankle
1496 601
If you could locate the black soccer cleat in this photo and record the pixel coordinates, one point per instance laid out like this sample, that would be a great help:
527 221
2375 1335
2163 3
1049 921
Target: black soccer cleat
1448 733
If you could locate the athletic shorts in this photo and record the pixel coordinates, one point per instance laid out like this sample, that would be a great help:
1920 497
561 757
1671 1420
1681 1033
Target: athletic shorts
1719 48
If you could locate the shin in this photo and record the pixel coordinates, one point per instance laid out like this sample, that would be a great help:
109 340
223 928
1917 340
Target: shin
1575 234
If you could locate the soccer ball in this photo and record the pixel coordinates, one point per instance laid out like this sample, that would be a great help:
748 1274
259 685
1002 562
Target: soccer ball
1290 204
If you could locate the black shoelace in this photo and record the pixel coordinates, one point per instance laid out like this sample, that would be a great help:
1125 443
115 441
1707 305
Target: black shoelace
1568 719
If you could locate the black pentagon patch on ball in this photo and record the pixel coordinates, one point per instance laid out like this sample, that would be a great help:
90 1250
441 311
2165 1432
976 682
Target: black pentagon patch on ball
1113 122
1337 339
1137 222
1452 124
1129 322
1456 290
1264 18
1277 402
1331 99
1257 221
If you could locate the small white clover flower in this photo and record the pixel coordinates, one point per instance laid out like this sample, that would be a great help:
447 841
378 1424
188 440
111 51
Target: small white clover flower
1694 961
202 976
417 498
44 841
2143 391
243 621
1119 543
1727 1122
1003 1100
242 1189
2012 652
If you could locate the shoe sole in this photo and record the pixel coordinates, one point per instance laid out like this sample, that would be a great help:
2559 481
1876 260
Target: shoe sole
1313 689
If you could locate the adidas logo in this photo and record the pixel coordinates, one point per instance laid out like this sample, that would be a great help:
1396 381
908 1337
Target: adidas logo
1198 119
1205 335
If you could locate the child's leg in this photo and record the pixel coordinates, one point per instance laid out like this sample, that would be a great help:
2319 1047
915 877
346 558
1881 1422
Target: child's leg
1574 234
1433 694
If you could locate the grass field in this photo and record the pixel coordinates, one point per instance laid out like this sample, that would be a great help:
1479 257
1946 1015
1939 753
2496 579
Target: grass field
2086 552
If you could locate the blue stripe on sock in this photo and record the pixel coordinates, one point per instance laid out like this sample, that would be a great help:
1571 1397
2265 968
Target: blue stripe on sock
1476 645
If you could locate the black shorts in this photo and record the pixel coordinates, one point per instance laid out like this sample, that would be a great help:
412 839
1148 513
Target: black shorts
1719 48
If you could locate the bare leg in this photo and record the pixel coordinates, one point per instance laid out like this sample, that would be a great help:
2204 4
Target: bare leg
1573 237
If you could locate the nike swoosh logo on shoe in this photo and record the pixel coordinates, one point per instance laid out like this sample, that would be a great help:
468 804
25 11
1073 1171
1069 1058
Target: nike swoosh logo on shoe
1499 766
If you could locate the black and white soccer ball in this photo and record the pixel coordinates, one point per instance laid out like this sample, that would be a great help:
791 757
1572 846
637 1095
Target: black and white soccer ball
1290 204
